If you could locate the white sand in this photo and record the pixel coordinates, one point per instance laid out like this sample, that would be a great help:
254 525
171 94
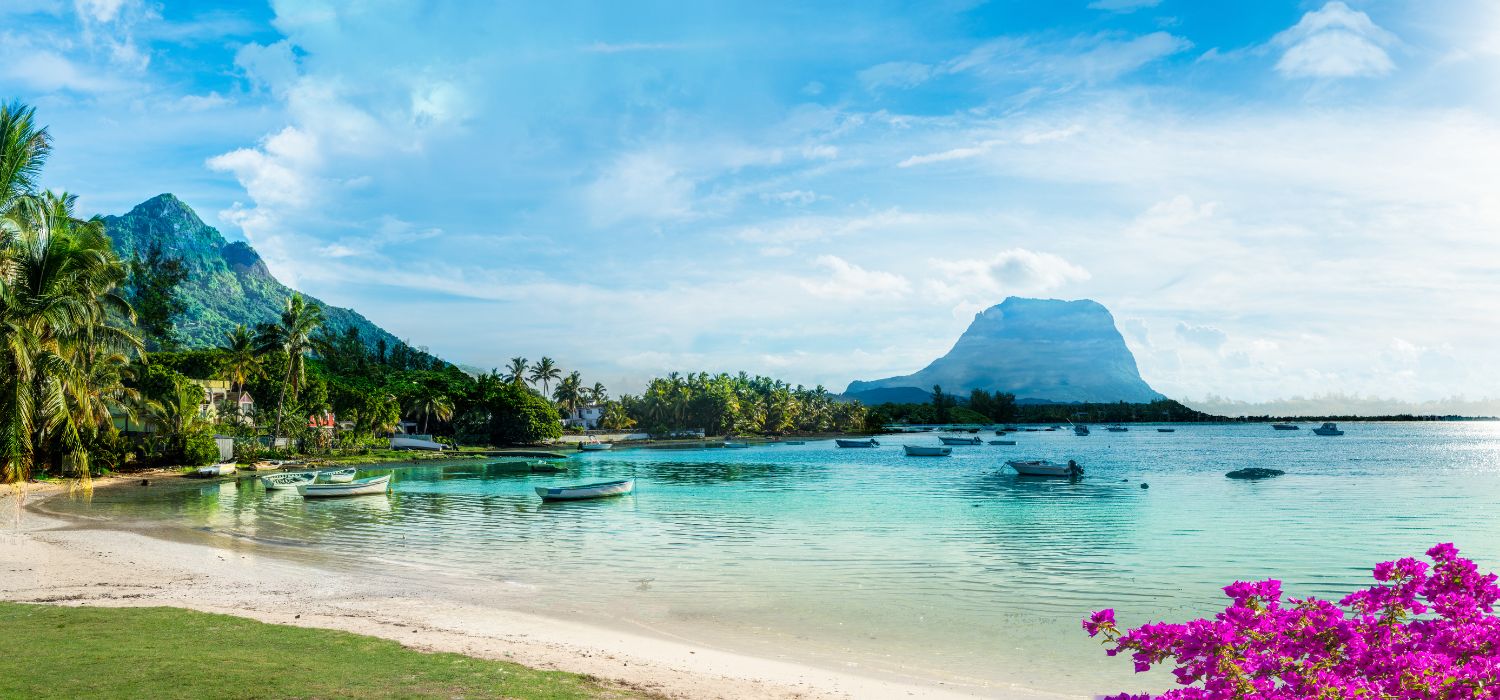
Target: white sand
46 559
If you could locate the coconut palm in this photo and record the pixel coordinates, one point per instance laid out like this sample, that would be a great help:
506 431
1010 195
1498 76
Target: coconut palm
597 393
516 373
546 372
240 361
569 392
430 403
293 334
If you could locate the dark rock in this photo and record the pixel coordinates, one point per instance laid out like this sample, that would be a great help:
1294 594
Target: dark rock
1145 485
1254 473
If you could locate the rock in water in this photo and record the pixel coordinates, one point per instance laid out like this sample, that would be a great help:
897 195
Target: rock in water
1254 473
1038 349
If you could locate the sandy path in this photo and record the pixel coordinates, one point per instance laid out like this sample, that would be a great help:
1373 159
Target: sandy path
47 559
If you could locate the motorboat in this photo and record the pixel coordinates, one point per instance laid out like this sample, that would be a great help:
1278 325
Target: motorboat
1328 429
1080 429
586 491
1166 430
857 443
1285 426
1118 429
961 440
926 451
1041 467
1002 442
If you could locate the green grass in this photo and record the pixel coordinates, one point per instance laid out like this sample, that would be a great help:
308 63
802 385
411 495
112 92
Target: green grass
67 652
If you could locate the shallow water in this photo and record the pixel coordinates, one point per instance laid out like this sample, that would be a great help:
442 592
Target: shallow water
948 568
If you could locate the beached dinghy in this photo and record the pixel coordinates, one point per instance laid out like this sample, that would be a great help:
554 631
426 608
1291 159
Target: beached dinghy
857 443
925 451
363 487
339 476
286 482
578 493
961 441
213 470
1040 467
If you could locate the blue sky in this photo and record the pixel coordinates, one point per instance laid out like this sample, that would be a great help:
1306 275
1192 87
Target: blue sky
1275 199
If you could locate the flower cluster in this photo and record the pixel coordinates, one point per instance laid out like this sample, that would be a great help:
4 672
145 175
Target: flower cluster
1421 632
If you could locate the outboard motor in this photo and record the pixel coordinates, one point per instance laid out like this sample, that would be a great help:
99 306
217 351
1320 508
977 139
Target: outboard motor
1074 471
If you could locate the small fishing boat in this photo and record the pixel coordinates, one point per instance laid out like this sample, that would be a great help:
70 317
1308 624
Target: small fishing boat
926 451
362 487
1328 429
736 445
1080 429
1118 429
213 470
1166 430
577 493
1285 426
961 441
338 476
857 443
287 482
1040 467
595 446
1002 442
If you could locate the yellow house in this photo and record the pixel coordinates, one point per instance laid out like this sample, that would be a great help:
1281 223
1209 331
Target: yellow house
220 400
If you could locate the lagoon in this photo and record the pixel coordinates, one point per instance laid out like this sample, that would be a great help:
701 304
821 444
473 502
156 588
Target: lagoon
948 570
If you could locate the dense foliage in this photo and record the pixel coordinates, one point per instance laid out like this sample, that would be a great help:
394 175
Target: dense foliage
1420 632
723 404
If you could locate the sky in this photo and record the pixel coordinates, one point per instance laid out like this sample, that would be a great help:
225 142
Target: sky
1276 199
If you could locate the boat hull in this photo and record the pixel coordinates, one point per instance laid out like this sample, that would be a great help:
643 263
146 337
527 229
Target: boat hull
1002 442
587 491
225 469
595 446
286 482
857 443
961 441
342 476
920 451
1039 468
363 487
1284 426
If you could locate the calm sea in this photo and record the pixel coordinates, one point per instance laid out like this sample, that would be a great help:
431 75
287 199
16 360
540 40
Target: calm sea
941 568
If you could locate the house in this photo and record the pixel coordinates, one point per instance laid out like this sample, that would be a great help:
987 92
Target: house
220 402
587 417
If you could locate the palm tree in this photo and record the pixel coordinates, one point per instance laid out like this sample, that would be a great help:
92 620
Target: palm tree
546 372
516 373
430 403
240 360
569 391
597 394
294 336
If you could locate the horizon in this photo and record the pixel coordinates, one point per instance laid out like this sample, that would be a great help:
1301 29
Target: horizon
824 196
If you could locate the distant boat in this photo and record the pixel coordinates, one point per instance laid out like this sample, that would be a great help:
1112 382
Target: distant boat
1328 429
404 442
213 470
339 476
1056 427
1166 430
794 442
926 451
1080 429
1038 467
363 487
279 482
595 446
578 493
857 443
1285 426
1002 442
1118 429
961 441
736 445
1010 429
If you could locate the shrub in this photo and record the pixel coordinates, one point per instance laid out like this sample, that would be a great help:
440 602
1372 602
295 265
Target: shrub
200 448
519 416
1420 632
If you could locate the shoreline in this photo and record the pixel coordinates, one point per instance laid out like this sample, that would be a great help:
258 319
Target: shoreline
50 558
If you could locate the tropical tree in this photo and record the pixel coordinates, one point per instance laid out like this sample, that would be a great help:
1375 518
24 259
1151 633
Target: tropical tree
293 335
569 393
430 402
546 372
597 394
240 360
516 373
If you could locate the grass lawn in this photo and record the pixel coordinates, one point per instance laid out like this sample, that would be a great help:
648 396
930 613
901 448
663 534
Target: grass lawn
66 652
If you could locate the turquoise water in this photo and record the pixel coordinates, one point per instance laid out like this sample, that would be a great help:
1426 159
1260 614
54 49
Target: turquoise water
948 568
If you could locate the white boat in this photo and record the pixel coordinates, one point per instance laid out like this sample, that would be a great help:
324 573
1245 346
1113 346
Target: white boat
736 445
577 493
1328 429
1118 429
1285 426
403 442
363 487
961 441
595 446
212 470
263 466
340 476
925 451
1080 429
1002 442
857 443
279 482
1040 467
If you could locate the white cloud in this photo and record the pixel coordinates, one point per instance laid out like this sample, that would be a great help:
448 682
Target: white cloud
895 74
848 281
641 186
1014 271
1096 58
1204 336
1335 41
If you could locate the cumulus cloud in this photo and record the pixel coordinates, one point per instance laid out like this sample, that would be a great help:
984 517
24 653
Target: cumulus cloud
1014 271
638 187
1203 336
1335 41
847 281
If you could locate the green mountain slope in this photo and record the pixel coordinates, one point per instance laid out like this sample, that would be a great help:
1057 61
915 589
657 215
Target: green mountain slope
227 283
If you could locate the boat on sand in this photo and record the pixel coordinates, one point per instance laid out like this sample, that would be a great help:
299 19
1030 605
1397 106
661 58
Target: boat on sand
585 491
926 451
213 470
362 487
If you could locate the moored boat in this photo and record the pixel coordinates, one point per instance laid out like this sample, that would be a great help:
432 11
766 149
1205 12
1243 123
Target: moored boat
1041 467
338 476
1002 442
280 482
595 446
736 445
926 451
1285 426
857 443
1328 429
1166 430
362 487
1080 429
961 441
794 442
1118 429
577 493
213 470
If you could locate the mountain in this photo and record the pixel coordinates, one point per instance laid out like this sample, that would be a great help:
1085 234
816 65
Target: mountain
227 283
1037 349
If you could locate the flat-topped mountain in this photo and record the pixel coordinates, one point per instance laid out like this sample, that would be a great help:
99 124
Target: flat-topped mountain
1036 349
227 283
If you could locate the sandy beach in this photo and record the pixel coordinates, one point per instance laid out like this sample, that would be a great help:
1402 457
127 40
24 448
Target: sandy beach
48 559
